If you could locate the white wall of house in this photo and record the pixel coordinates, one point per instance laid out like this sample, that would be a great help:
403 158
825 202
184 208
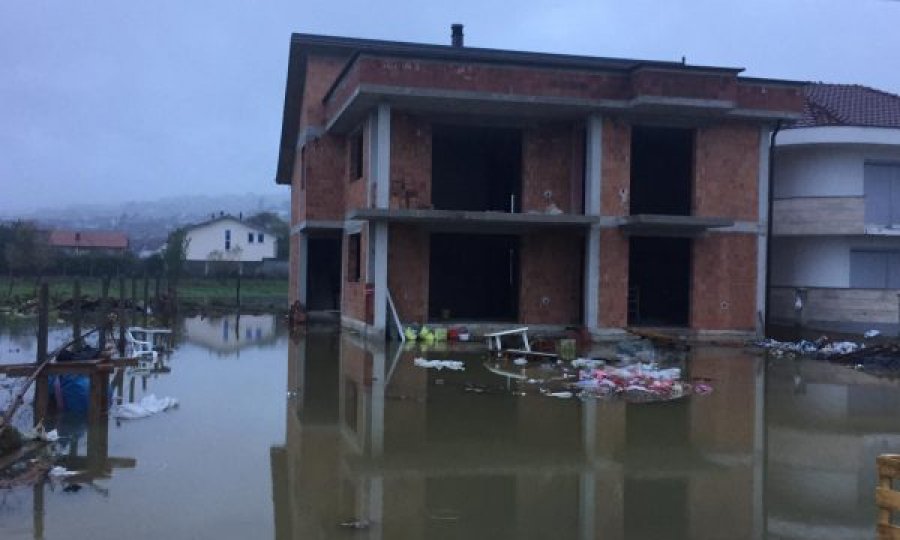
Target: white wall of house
822 261
810 262
806 168
207 242
819 171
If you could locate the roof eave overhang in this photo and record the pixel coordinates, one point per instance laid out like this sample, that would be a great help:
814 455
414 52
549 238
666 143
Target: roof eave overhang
442 101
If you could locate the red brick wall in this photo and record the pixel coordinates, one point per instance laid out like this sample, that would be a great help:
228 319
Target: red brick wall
323 197
293 262
298 192
571 83
613 310
668 83
410 161
479 78
408 266
553 160
616 164
772 97
357 187
723 282
551 269
321 71
353 299
726 167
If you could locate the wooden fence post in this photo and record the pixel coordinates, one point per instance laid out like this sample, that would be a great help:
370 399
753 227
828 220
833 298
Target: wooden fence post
43 322
76 312
887 500
121 311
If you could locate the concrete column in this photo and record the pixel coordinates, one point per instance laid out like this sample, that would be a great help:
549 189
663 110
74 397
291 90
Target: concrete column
378 231
593 183
302 266
762 239
382 155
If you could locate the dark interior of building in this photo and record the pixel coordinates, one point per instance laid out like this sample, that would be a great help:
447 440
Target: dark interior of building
476 168
323 274
661 170
659 281
473 277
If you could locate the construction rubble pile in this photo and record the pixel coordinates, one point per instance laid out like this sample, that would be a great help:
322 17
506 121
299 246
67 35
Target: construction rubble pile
637 382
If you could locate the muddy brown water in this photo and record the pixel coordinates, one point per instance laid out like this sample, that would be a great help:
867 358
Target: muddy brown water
322 436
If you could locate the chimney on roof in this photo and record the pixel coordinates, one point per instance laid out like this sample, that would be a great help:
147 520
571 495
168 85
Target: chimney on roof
456 35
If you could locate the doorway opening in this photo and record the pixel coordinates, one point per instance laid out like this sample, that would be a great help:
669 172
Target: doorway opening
323 274
659 281
662 162
476 168
473 277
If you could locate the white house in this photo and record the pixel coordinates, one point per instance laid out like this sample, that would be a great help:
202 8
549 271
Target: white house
228 239
836 211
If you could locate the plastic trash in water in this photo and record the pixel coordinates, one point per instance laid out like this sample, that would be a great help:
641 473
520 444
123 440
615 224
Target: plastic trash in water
455 365
590 363
147 406
561 395
61 472
520 361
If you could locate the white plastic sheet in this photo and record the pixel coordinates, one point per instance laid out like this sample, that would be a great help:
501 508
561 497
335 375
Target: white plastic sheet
147 406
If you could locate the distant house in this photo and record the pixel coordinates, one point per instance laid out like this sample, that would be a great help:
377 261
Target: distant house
226 240
82 242
836 213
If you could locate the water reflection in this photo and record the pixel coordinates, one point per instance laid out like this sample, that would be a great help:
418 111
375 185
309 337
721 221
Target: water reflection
826 425
229 333
405 452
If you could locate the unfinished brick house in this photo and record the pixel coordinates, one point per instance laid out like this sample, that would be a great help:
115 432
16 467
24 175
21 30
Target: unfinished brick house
489 186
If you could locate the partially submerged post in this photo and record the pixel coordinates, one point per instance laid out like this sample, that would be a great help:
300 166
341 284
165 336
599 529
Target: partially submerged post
146 297
76 311
43 322
121 313
42 383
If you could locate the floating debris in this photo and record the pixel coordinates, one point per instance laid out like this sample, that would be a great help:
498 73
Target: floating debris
355 524
820 347
455 365
61 472
148 406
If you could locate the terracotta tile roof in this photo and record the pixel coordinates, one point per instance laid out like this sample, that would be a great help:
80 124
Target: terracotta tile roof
89 239
849 105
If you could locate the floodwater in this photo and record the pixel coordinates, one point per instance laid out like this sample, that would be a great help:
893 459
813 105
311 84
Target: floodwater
322 436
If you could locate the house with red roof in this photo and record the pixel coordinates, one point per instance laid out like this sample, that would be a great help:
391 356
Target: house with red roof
836 211
77 242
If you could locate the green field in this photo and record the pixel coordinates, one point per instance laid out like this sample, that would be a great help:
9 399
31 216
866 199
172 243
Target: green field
191 291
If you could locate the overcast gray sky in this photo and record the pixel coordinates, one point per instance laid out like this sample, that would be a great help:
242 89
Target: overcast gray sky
117 100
